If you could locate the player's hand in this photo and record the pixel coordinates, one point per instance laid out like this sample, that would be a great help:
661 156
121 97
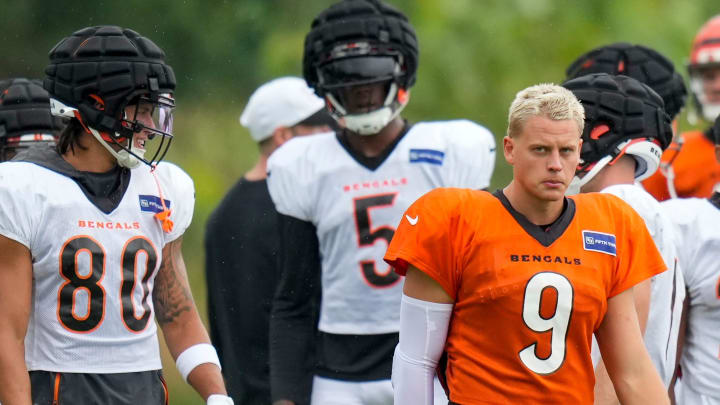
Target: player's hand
217 399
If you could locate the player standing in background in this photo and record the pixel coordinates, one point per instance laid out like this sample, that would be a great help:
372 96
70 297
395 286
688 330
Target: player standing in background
623 139
697 224
90 238
25 118
643 64
691 158
241 240
340 195
526 275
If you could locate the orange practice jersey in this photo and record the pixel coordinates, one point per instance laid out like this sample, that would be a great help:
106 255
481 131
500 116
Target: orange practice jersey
526 301
695 167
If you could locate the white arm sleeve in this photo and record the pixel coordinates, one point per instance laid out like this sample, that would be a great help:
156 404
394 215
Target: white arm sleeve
423 329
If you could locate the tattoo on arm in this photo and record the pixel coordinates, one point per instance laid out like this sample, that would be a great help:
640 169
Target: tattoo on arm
171 293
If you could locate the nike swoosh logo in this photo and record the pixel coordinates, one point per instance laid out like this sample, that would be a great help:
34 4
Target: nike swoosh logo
412 220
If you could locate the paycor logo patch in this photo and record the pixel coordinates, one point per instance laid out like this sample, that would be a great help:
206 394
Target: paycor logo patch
151 203
599 242
427 156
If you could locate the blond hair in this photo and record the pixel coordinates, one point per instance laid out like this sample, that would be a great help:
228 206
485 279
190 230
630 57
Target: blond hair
547 100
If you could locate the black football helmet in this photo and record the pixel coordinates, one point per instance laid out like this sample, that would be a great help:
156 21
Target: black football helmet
639 62
357 42
622 116
117 84
25 118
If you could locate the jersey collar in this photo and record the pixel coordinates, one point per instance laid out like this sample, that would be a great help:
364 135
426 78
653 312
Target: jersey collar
371 163
546 236
106 199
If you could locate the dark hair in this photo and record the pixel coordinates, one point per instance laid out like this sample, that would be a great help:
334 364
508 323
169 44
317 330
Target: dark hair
70 137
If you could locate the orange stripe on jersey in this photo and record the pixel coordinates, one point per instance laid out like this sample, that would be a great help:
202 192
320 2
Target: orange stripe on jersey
525 311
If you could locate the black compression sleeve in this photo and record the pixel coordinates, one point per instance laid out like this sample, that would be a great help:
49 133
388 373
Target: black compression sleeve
293 318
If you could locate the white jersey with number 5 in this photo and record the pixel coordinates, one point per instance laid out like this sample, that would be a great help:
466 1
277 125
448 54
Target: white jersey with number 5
355 209
697 223
93 273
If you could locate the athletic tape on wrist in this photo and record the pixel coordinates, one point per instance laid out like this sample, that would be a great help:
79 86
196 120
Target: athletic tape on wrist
194 356
217 399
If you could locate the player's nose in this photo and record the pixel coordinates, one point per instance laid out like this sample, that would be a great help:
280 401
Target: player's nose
554 162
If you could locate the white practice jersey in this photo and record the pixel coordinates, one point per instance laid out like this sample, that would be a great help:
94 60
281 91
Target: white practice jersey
697 224
667 288
355 209
93 273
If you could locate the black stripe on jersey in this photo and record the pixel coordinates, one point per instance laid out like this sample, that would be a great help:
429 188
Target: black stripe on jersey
545 235
672 305
715 200
373 162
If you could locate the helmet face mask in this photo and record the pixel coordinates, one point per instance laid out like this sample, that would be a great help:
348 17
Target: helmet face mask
145 125
709 109
358 71
356 43
703 65
149 122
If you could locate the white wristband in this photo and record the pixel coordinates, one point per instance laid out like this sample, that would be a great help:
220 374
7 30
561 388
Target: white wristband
194 356
217 399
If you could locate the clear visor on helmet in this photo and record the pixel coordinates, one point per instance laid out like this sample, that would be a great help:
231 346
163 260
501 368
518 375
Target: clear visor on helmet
151 121
357 71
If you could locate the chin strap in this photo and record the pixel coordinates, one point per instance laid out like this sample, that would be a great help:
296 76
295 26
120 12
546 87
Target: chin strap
164 215
667 169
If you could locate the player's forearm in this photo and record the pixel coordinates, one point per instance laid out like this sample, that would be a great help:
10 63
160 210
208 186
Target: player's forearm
642 387
632 372
184 332
14 378
181 325
604 390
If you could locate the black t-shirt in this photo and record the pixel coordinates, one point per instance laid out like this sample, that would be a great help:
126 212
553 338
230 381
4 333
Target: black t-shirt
241 244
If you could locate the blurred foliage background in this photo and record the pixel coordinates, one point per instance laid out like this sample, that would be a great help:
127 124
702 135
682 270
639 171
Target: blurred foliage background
475 55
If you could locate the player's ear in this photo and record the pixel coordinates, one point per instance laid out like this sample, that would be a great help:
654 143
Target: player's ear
281 135
509 149
579 148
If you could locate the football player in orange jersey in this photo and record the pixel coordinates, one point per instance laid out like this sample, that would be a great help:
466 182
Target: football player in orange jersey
693 170
512 285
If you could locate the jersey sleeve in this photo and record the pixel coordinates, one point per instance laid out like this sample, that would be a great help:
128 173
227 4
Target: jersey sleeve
287 183
181 192
20 209
471 156
427 238
652 214
638 257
